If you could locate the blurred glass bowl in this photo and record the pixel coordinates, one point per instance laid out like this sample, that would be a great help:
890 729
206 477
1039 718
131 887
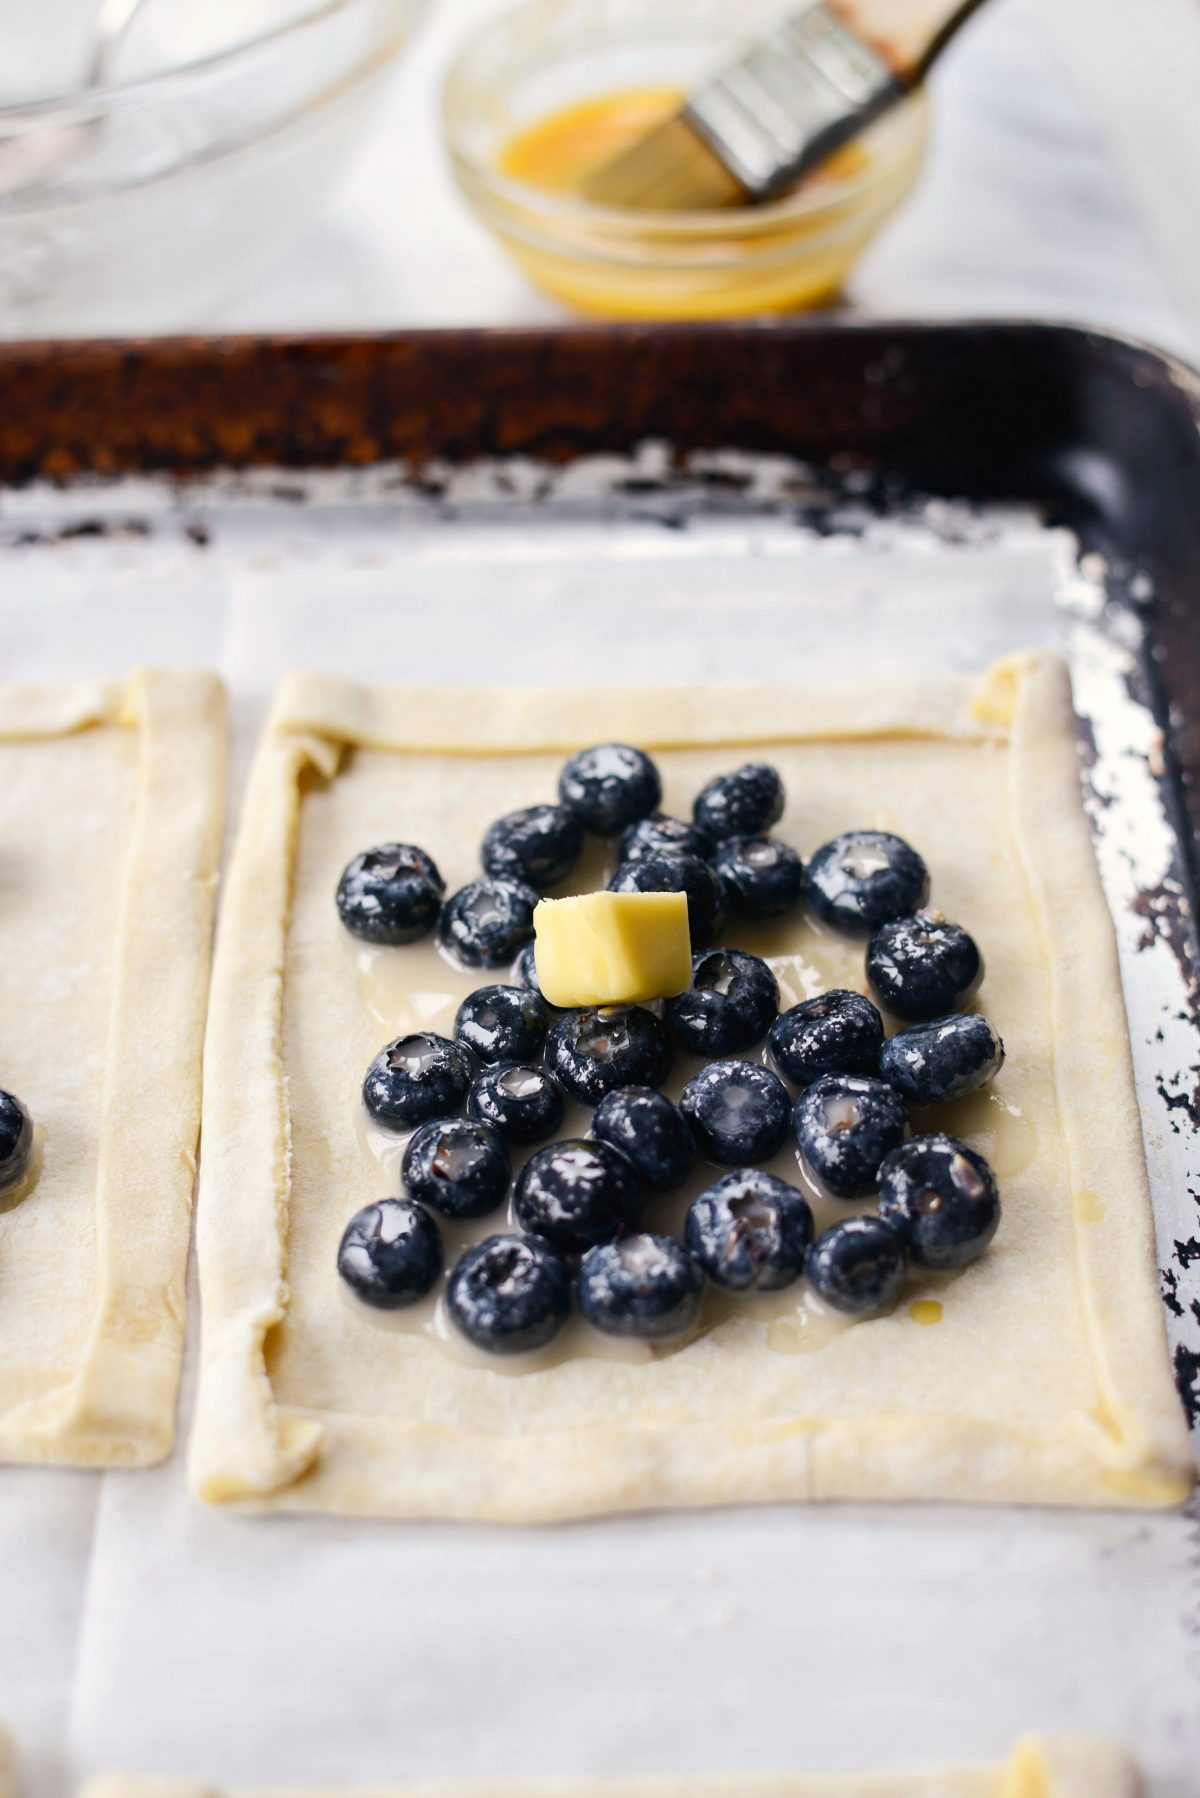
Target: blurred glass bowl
550 55
133 206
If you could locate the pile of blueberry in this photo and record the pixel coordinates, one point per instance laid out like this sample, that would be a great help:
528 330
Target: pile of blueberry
581 1203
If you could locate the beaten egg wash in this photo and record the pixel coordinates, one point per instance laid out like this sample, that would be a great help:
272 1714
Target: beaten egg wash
557 152
788 260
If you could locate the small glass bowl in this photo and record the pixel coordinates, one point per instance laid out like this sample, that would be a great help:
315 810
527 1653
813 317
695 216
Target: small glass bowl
619 263
133 207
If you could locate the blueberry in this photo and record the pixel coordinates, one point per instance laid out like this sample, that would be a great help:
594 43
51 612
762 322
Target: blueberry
864 879
609 788
577 1194
929 1063
538 846
837 1033
941 1196
457 1165
741 804
762 878
660 835
487 921
523 1103
750 1232
16 1140
502 1023
738 1112
845 1124
509 1294
858 1266
644 1286
650 1132
678 874
416 1078
922 967
525 974
392 894
594 1052
390 1254
729 1006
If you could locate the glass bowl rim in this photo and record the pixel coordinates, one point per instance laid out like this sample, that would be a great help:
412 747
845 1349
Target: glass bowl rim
85 103
492 186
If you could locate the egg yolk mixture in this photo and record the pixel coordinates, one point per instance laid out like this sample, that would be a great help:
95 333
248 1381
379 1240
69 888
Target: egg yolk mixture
766 259
556 153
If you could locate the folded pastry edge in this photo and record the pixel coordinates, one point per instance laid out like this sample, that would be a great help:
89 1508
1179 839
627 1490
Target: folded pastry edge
118 1409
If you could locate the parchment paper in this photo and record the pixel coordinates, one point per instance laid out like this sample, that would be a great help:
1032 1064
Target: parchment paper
140 1630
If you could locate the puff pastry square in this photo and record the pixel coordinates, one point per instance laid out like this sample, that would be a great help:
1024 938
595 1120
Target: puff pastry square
1047 1379
111 806
1038 1767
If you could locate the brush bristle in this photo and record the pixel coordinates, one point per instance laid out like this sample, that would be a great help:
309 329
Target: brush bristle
671 169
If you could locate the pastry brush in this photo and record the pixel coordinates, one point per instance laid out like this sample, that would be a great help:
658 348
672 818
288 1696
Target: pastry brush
797 95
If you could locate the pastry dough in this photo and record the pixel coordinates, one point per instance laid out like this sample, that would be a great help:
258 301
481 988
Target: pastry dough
1047 1378
111 802
1039 1767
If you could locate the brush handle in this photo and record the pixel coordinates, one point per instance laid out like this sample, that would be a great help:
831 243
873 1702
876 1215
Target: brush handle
909 34
814 83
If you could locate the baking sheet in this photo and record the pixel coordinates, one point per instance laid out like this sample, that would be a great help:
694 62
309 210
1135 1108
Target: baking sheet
139 1629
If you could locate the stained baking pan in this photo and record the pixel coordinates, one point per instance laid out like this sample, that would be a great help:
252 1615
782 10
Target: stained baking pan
1098 435
643 505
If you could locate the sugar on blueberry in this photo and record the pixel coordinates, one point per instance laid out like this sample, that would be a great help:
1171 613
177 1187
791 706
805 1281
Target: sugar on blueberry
538 845
943 1059
941 1196
744 803
839 1032
845 1125
522 1101
864 878
502 1023
487 922
738 1111
459 1166
922 967
660 835
390 1255
859 1266
509 1294
609 787
593 1052
750 1231
644 1286
391 894
415 1078
650 1132
576 1194
762 878
730 1005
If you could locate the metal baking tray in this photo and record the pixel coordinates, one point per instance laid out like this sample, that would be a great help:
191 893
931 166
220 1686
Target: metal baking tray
640 505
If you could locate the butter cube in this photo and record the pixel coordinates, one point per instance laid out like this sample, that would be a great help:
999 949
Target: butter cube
612 948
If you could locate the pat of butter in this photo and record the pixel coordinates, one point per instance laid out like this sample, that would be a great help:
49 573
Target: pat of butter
612 948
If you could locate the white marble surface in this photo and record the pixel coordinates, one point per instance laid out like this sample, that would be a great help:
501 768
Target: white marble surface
1039 197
